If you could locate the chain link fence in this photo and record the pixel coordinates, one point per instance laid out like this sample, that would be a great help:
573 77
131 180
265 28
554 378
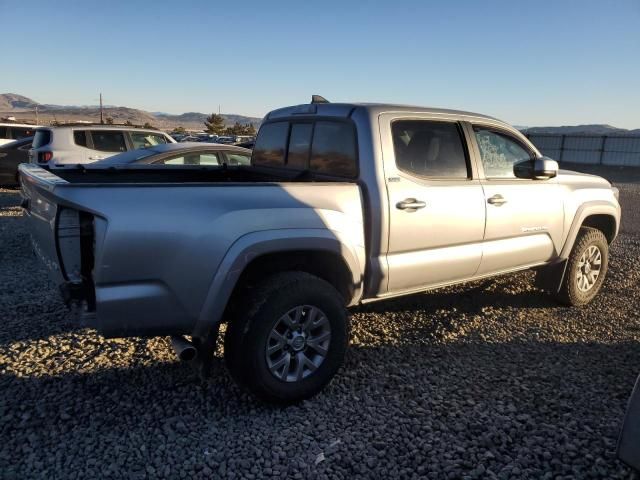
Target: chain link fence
589 149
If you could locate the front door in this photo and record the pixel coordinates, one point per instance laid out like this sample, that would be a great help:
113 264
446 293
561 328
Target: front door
437 211
524 217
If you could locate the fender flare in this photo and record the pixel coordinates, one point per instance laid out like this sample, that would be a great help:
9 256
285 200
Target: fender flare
551 277
253 245
596 207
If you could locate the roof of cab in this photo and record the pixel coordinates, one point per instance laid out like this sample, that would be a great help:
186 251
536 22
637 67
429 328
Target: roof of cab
345 110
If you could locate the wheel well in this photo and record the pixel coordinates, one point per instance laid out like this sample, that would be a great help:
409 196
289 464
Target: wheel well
324 264
605 223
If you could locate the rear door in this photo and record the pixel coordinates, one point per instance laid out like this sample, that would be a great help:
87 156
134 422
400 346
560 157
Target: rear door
524 217
436 203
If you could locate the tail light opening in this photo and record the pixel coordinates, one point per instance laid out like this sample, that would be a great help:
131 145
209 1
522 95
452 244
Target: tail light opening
44 157
75 245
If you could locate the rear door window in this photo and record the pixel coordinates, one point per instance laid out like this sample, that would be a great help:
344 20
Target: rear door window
108 141
41 138
271 144
146 139
430 149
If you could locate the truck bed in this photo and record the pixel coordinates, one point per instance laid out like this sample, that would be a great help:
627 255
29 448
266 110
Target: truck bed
175 174
145 248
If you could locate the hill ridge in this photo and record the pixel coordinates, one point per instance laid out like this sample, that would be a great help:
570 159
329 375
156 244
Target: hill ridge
23 108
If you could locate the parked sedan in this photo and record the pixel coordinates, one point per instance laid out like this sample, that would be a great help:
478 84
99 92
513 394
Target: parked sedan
11 155
190 153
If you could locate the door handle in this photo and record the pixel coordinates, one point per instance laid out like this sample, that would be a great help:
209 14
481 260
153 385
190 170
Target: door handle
410 204
497 200
96 158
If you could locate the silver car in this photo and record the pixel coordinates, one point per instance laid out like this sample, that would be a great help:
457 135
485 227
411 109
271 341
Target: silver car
186 153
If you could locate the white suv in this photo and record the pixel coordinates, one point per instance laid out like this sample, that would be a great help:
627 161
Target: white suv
10 132
74 144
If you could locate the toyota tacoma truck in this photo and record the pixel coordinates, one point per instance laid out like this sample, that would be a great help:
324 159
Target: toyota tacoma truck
342 204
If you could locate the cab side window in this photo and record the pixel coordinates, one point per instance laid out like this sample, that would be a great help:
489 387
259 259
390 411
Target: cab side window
430 149
499 152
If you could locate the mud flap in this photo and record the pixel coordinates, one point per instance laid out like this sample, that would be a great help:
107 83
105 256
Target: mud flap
203 364
549 278
629 440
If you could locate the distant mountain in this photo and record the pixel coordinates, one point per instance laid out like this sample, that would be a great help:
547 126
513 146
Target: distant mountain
582 130
10 101
201 117
23 108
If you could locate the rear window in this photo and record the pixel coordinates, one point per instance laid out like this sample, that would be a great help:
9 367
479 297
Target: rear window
3 132
20 132
325 147
41 138
271 144
108 141
299 142
333 150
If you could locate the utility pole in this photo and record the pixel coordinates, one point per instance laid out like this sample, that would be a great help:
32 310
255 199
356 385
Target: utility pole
37 122
218 109
101 116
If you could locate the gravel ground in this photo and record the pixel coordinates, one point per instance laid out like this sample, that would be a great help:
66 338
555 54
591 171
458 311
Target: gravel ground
492 380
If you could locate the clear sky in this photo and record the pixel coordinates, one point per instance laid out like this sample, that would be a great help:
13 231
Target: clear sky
528 62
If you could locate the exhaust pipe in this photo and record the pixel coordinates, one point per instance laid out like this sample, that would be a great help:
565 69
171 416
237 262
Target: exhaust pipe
185 350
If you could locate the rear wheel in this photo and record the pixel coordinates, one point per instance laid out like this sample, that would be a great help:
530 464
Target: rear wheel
586 268
290 339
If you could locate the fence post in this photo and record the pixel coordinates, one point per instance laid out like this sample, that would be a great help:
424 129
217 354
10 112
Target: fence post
604 141
561 147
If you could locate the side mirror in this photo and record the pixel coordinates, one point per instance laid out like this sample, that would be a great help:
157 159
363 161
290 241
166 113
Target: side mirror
542 168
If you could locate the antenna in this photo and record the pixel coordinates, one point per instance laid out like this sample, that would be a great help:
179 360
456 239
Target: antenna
318 99
101 116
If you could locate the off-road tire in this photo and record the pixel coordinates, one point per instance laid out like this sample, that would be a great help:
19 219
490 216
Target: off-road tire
256 314
570 293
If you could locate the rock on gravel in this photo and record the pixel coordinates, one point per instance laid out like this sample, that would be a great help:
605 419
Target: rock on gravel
491 380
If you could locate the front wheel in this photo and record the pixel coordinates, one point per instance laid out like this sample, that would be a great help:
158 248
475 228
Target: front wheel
290 339
586 268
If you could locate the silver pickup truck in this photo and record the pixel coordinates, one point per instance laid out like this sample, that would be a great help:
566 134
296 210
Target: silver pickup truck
342 204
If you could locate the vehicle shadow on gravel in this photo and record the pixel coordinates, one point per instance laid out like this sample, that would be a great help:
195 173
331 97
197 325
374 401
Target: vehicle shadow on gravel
473 297
511 407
